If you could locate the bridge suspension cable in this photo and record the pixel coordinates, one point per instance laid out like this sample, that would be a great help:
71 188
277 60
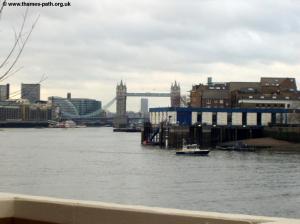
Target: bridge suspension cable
106 106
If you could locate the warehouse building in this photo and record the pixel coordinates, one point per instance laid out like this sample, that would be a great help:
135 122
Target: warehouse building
224 116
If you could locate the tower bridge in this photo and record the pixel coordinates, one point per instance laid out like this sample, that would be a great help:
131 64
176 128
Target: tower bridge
149 94
120 119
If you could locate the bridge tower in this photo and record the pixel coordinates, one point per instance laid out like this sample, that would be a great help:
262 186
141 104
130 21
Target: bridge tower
175 95
120 119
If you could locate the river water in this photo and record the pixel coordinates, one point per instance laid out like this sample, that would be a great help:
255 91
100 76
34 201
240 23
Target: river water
98 164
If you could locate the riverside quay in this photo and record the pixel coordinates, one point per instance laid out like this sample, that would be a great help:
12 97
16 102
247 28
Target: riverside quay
21 209
170 126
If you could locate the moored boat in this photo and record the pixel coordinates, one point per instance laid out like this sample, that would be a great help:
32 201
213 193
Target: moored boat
192 150
65 124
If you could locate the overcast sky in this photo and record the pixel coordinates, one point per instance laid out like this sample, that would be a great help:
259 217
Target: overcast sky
89 47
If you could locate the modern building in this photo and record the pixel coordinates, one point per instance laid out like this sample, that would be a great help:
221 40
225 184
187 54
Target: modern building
144 107
78 109
31 92
4 92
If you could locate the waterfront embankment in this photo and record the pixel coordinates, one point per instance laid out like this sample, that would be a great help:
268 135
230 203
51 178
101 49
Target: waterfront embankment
286 133
20 209
268 143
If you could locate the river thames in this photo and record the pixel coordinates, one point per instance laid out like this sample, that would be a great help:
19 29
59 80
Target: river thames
98 164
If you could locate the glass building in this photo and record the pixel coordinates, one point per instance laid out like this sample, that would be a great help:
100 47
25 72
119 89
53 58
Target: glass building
77 108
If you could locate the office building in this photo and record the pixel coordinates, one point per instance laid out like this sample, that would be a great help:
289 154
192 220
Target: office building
78 109
31 92
144 106
4 92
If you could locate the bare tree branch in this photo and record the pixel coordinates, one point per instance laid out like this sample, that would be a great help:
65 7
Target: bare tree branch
12 73
17 40
2 7
21 50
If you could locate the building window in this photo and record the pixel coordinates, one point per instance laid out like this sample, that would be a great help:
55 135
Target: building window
258 119
229 118
273 118
244 118
199 117
214 118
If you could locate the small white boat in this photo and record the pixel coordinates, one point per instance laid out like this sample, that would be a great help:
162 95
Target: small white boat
192 150
66 124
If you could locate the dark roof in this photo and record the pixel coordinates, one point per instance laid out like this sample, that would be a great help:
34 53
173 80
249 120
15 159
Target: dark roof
215 94
274 81
243 85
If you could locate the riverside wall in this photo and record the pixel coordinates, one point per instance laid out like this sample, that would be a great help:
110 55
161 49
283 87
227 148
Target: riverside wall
291 134
24 209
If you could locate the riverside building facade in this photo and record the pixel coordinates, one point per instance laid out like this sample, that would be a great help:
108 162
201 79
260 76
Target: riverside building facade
31 92
270 101
267 93
23 113
242 117
77 109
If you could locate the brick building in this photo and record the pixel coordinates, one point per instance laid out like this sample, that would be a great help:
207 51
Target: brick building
212 95
268 93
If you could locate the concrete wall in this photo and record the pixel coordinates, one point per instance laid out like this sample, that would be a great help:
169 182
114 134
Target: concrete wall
290 134
207 118
157 117
252 119
293 118
266 119
42 210
221 118
194 117
237 118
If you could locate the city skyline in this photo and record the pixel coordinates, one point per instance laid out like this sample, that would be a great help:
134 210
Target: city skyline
149 46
